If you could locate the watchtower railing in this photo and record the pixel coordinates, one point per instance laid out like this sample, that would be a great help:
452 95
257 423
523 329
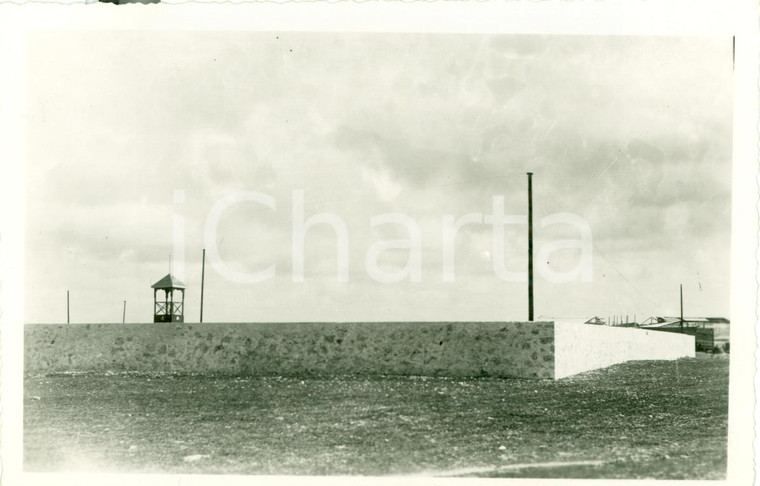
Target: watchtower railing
163 307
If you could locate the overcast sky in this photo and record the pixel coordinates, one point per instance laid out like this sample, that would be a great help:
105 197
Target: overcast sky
633 135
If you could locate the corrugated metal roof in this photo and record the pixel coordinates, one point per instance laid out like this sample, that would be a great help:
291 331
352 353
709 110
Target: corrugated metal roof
658 320
169 282
670 323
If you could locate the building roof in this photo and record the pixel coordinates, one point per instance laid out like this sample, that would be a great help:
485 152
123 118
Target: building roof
169 282
656 321
663 323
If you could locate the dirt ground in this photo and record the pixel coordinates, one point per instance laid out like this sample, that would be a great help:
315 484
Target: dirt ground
634 420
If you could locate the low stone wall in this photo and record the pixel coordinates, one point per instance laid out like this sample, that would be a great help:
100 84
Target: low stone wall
504 349
583 347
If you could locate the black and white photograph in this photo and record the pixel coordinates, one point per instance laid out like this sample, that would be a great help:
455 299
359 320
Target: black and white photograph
294 253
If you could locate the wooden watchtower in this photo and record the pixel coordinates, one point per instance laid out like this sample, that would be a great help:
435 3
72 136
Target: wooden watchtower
169 310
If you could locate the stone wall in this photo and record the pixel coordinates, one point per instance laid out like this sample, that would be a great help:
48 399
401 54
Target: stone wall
583 347
504 349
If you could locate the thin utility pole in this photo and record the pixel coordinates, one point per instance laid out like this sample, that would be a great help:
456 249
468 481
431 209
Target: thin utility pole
530 246
203 278
124 313
681 308
68 320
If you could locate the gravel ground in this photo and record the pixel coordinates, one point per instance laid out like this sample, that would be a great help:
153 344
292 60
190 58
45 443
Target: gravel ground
654 419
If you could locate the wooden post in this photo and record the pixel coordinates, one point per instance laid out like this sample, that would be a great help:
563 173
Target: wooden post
203 280
68 320
530 246
124 313
681 326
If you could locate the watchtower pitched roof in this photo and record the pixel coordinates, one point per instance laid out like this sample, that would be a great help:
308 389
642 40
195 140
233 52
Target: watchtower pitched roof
169 282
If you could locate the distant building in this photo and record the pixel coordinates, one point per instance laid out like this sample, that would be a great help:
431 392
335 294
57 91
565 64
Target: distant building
121 2
709 332
699 322
596 321
601 321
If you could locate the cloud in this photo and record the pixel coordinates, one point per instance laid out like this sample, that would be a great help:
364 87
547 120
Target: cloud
633 134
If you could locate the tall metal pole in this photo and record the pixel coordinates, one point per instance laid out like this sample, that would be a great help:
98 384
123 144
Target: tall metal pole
203 279
530 246
68 320
124 313
681 308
